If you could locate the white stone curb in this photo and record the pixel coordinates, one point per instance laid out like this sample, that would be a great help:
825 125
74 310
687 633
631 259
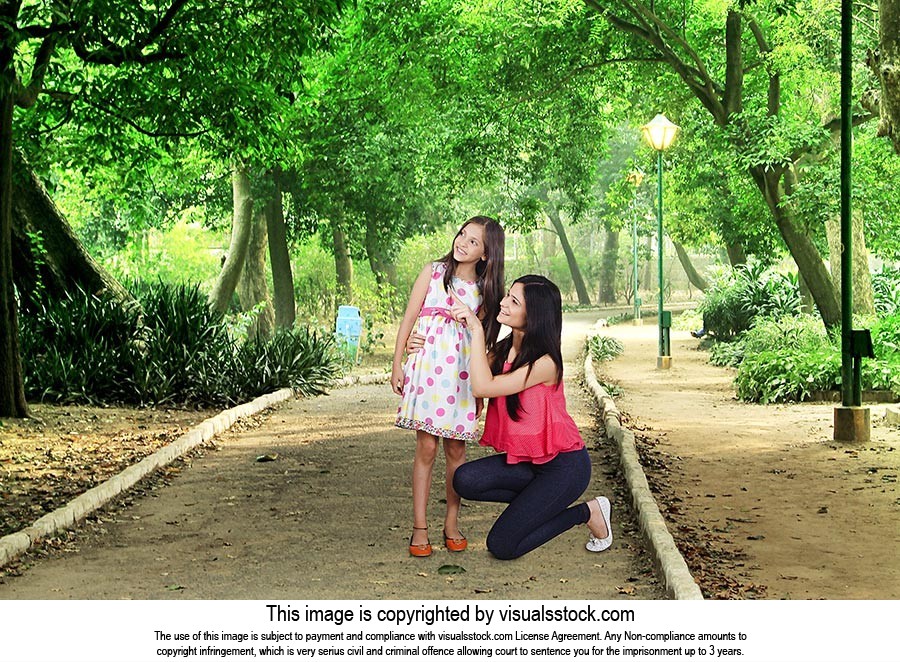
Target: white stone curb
670 564
892 415
17 543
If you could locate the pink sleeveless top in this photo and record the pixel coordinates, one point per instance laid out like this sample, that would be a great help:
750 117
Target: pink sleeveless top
544 428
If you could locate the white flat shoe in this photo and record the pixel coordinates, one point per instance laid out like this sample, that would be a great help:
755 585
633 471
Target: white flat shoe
595 544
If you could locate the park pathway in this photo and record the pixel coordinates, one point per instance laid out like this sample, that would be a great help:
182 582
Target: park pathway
328 518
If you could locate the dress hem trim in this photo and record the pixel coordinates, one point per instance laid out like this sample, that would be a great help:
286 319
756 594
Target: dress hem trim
410 424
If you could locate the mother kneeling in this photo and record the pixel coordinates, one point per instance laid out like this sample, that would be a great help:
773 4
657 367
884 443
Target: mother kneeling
542 465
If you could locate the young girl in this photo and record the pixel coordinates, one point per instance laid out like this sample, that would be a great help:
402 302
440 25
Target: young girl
434 382
542 465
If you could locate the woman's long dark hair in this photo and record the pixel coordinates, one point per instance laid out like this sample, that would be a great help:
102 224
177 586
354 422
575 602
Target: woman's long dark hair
489 274
543 334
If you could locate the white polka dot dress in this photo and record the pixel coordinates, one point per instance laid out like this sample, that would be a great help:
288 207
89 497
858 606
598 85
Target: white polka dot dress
437 394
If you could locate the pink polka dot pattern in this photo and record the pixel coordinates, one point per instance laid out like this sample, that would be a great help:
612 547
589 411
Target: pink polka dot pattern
437 405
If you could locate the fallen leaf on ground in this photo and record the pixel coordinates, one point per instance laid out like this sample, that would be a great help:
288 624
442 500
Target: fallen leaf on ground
450 570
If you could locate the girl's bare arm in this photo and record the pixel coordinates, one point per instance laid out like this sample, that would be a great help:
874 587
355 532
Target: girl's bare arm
416 299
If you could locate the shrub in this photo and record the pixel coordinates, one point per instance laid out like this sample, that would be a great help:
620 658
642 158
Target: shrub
81 349
744 293
314 282
799 333
886 337
886 287
781 376
727 353
689 320
188 347
301 359
604 348
786 358
170 349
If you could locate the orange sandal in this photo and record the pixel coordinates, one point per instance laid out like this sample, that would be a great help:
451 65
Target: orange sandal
455 544
419 550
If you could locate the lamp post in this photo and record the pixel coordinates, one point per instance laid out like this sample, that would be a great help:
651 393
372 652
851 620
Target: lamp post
635 177
660 133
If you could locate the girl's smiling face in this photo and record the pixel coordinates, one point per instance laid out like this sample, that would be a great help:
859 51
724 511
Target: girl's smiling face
469 244
512 307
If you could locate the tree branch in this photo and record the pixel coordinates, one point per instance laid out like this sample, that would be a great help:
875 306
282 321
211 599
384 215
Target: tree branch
695 77
833 127
65 120
164 23
116 55
773 102
42 31
664 28
734 64
27 95
137 127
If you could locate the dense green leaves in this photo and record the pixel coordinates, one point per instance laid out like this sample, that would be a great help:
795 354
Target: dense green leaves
742 294
170 350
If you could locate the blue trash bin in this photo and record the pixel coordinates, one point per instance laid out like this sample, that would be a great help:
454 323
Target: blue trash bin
348 329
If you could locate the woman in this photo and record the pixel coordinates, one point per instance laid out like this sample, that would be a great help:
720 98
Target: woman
542 465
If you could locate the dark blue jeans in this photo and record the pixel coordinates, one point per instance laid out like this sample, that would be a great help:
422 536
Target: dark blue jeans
538 496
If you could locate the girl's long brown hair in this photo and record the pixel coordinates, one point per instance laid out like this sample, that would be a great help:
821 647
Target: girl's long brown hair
489 274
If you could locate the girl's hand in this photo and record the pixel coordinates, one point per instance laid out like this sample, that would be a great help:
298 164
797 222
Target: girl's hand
462 313
415 342
397 378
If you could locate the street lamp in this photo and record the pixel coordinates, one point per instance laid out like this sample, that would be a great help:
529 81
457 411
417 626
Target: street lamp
660 133
635 177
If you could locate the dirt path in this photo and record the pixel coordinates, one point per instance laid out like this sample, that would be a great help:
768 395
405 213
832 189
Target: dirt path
761 500
328 518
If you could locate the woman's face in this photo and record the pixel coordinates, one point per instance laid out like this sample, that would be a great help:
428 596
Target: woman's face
512 307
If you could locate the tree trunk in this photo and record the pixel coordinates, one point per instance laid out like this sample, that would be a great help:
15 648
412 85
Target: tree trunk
279 256
736 254
577 280
807 305
548 244
885 64
806 255
241 224
649 269
343 265
694 277
863 294
64 263
253 291
12 388
380 262
608 264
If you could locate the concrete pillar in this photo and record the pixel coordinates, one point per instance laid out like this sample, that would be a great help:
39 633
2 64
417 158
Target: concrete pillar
852 424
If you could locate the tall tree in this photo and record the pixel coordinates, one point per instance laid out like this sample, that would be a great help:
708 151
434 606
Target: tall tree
279 256
148 67
30 36
741 84
241 228
253 290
